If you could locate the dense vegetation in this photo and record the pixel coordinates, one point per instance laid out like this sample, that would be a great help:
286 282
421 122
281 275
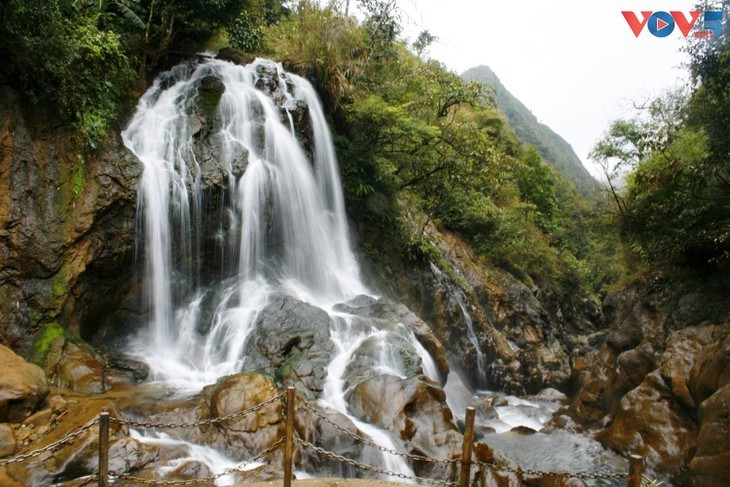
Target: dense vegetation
669 166
554 150
417 144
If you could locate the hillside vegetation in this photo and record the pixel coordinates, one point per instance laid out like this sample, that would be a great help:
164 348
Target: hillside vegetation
416 143
553 148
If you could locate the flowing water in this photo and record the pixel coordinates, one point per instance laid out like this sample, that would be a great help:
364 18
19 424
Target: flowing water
283 230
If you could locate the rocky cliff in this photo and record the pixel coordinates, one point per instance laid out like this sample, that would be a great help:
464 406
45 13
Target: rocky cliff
67 226
660 384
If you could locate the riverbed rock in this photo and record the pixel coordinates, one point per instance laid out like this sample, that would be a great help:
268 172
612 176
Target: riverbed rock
711 462
23 387
256 431
7 440
666 354
417 410
79 457
290 341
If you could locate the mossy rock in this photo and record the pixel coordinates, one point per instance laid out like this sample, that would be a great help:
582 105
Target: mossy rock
48 344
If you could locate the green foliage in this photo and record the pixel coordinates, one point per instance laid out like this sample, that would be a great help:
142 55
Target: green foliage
78 178
671 168
246 32
59 54
552 148
323 42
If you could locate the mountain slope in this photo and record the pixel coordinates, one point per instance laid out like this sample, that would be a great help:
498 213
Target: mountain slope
553 148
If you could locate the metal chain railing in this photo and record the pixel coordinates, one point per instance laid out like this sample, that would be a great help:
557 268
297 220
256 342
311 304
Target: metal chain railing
204 422
51 446
201 480
365 441
372 468
634 475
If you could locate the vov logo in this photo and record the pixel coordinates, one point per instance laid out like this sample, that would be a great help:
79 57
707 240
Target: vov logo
662 24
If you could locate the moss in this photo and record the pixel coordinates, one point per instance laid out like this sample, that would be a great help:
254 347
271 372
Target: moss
78 178
44 338
60 287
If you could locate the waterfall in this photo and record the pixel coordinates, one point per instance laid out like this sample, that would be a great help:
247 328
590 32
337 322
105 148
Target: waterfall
282 229
289 213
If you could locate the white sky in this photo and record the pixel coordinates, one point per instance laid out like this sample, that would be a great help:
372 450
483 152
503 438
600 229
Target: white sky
575 63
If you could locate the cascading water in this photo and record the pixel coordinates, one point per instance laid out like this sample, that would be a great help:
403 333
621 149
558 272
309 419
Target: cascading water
283 227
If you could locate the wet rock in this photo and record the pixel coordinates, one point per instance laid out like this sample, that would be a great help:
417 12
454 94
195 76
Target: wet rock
7 440
254 432
651 422
711 462
235 56
23 387
549 395
523 430
416 410
136 370
80 456
264 473
66 252
331 431
390 315
290 341
74 365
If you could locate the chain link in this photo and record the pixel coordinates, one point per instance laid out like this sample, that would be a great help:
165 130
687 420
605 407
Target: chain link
201 480
540 473
204 422
92 478
51 446
372 444
371 468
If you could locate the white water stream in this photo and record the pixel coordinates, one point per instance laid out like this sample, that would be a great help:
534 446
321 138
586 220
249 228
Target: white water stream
287 230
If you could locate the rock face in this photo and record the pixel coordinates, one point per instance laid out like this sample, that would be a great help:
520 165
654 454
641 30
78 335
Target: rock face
23 387
530 337
290 341
656 386
66 226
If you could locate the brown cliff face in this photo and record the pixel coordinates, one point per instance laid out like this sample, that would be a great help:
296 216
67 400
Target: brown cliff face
532 335
656 386
67 226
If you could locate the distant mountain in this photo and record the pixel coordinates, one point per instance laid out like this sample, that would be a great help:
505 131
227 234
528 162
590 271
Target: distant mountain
553 148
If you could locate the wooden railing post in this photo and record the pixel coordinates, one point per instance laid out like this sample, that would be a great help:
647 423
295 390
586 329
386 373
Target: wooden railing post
466 448
636 469
289 440
104 449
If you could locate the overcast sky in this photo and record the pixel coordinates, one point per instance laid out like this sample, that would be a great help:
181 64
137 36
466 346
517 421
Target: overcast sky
575 63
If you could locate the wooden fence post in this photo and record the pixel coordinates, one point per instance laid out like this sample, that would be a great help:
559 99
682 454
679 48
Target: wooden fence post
289 441
466 448
636 469
104 449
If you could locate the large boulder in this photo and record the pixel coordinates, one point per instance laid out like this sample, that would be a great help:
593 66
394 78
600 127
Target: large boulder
711 463
291 342
416 410
78 457
655 387
23 387
256 431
